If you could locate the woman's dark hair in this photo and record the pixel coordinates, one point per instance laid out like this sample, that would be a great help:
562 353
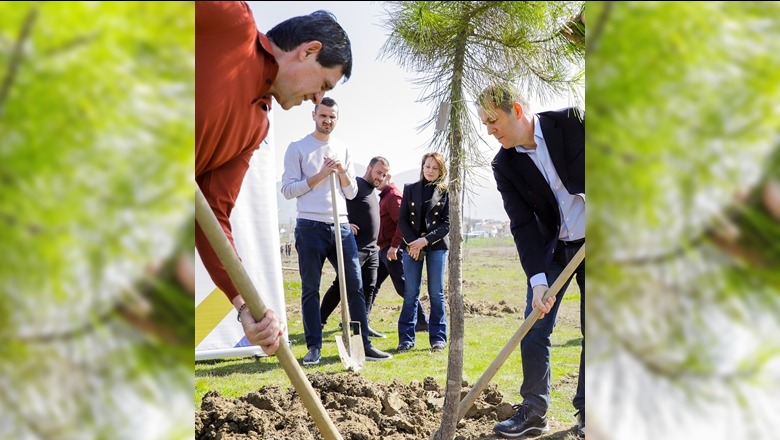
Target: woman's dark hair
318 26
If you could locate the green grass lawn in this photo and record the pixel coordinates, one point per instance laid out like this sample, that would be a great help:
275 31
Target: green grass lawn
491 274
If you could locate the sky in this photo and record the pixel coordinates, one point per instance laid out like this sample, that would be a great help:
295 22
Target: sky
379 112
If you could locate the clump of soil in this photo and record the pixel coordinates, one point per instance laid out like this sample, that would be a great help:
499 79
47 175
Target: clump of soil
360 410
488 308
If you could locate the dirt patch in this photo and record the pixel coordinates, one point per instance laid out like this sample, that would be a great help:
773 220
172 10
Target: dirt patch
488 308
360 410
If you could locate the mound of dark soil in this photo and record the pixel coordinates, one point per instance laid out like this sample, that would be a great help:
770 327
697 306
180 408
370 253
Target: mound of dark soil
360 410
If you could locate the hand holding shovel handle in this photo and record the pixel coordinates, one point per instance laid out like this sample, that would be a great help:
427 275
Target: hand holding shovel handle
491 371
227 255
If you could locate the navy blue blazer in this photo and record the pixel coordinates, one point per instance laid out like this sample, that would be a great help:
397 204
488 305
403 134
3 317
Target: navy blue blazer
534 216
437 217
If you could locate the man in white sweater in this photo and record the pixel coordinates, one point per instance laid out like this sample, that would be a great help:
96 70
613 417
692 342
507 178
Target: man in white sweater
308 163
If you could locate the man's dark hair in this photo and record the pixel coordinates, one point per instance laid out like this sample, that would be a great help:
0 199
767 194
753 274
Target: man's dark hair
318 26
376 159
327 102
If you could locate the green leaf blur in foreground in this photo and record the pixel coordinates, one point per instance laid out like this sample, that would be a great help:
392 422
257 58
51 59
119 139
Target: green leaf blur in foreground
683 220
96 154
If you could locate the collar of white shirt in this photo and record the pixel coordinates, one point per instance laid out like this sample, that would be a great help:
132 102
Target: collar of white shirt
538 136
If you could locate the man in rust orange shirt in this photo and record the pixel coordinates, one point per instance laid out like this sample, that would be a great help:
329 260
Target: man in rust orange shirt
237 71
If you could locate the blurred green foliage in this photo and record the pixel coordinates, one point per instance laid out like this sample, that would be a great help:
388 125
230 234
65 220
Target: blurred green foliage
96 208
684 327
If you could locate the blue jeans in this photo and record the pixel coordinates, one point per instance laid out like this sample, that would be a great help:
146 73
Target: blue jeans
315 242
535 346
395 270
437 319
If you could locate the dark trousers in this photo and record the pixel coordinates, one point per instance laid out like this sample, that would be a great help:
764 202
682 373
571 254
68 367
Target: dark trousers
535 346
315 243
369 263
395 270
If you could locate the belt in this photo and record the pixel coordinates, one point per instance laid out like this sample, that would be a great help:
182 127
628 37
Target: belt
573 242
317 221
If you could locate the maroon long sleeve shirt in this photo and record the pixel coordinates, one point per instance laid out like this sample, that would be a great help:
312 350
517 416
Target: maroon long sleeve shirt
234 70
389 205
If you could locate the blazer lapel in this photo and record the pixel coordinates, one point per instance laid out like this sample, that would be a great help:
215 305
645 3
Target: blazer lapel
533 177
553 137
418 204
528 170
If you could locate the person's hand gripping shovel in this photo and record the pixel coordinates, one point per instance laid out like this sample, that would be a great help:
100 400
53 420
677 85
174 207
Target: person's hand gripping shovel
467 402
351 350
227 255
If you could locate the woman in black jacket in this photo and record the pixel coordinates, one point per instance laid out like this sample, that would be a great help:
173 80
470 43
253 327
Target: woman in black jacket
425 223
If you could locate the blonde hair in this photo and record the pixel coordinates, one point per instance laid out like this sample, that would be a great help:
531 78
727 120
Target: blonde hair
501 96
441 181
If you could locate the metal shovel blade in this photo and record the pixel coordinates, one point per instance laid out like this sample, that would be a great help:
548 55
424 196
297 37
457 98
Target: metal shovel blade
351 350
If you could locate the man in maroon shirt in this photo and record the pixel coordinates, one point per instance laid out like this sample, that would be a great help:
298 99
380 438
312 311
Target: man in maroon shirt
237 72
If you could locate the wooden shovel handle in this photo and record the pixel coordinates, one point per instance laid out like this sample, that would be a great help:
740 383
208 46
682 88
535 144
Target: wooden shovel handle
345 318
227 255
491 371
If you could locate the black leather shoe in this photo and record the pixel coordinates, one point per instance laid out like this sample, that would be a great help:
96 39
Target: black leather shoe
523 423
375 354
312 357
375 334
403 348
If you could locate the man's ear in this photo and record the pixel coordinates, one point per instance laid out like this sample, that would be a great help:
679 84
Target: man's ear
309 48
518 109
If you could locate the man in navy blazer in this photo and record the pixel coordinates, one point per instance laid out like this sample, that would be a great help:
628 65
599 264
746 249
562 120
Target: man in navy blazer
540 173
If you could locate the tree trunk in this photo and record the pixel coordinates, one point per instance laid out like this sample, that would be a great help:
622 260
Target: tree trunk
449 421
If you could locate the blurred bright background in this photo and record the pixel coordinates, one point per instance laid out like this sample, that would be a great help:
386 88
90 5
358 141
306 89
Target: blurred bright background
96 209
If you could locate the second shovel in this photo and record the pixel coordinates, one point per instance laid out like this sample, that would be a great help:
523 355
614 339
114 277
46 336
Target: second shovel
351 350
